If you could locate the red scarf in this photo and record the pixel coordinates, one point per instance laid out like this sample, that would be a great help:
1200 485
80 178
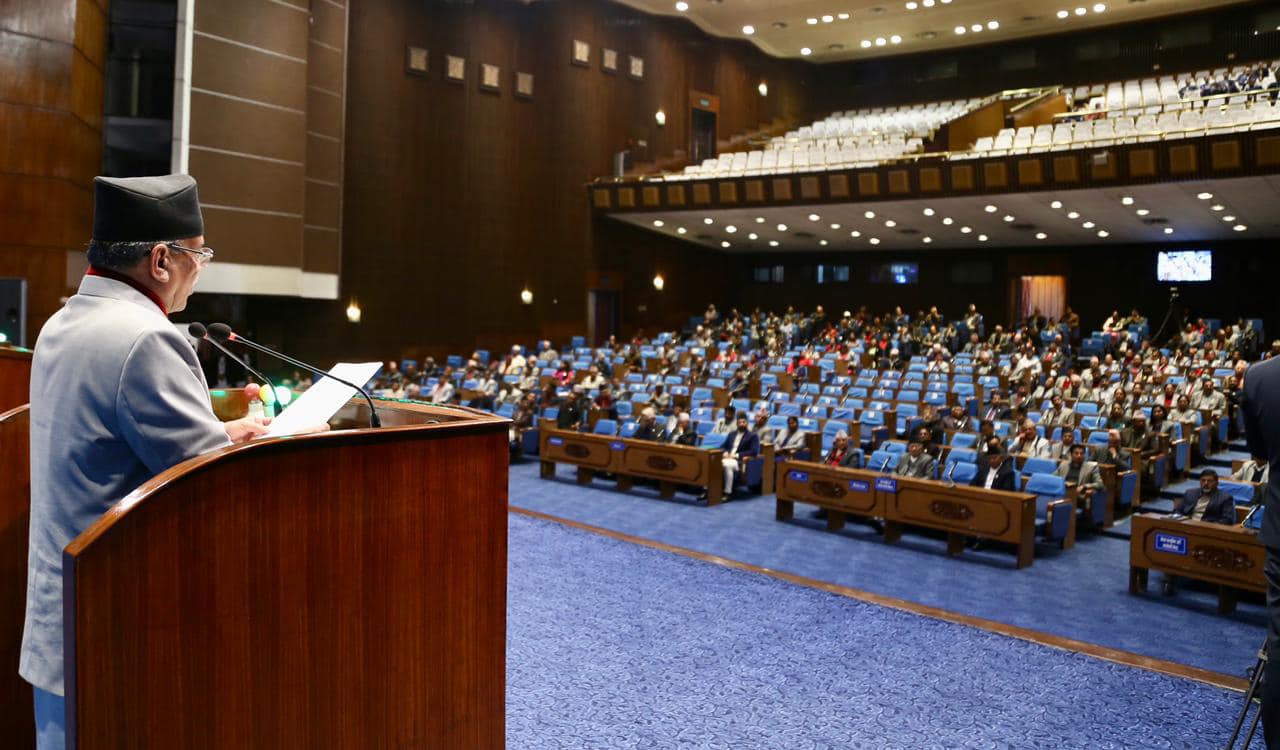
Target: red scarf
109 274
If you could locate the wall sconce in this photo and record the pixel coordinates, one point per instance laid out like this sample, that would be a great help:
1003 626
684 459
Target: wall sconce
660 117
526 296
353 311
659 282
763 88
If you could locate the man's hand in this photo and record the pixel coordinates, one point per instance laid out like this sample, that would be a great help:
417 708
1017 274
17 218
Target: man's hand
246 429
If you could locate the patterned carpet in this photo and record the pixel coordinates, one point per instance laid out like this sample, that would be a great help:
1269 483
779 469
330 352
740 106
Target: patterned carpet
1080 594
614 645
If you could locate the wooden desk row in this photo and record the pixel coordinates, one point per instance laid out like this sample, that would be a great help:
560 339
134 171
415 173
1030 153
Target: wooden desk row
959 510
1231 557
671 465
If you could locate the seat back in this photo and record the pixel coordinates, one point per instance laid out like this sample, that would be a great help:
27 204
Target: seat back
1036 465
605 427
963 473
884 460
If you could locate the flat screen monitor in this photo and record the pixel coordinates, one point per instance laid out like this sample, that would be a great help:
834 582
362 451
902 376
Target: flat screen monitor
1185 265
895 273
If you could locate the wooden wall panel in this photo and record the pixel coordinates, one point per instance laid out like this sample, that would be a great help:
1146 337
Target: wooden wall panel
51 58
228 180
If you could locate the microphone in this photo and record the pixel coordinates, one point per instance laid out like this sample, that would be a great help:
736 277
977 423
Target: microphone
198 331
223 332
885 464
946 476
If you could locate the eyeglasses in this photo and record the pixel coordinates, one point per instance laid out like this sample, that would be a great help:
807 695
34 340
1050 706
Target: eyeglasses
204 255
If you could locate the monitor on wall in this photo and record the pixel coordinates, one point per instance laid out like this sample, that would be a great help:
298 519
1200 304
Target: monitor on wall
1184 265
895 273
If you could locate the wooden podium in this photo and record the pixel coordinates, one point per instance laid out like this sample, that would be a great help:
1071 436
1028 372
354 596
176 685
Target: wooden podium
345 589
15 377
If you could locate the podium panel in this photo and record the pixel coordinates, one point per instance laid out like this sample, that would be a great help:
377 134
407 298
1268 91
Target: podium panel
17 723
339 590
15 377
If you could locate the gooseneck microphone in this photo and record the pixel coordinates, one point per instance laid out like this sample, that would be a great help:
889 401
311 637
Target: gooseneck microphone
223 332
197 330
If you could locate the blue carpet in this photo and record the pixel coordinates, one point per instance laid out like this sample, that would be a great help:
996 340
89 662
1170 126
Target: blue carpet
1080 594
614 645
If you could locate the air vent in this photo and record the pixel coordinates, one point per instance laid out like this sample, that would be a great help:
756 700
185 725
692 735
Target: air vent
879 9
779 24
835 47
909 232
1023 227
803 235
1155 221
706 238
927 35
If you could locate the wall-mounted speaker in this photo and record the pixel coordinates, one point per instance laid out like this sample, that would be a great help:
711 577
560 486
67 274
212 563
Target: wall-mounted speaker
13 311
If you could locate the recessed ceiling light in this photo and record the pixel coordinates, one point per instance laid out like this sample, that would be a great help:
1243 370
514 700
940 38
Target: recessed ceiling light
1099 7
1142 211
990 209
874 240
1168 230
1228 218
724 243
681 230
814 217
870 214
965 230
891 223
926 240
731 229
806 51
865 43
947 220
1088 225
835 226
928 212
753 236
1055 204
1073 214
960 29
982 238
1041 235
895 39
1127 200
1216 207
1081 11
782 227
811 21
880 41
822 242
773 243
708 221
1205 196
1063 14
855 234
927 3
912 5
658 223
993 25
748 29
759 219
682 6
843 16
1240 227
1103 233
1008 218
976 28
828 19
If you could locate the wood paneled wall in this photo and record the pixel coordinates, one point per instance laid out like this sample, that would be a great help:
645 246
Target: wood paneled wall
52 56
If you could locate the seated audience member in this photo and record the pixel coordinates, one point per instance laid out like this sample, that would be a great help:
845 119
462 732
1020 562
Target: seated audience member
1138 437
986 435
605 402
1255 470
486 391
1085 474
958 420
761 428
661 399
741 445
1112 454
996 473
522 421
1160 424
1058 415
682 433
442 393
930 418
563 374
998 410
1116 418
647 426
1209 399
925 435
1207 502
727 423
790 440
1061 450
916 464
573 412
840 454
593 379
516 362
1029 443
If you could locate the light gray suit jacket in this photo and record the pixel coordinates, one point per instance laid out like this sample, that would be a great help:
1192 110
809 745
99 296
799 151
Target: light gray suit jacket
1090 475
117 396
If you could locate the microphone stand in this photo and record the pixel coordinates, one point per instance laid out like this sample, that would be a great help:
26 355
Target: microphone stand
223 331
199 331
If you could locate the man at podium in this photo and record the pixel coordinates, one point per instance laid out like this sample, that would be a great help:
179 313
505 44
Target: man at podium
117 396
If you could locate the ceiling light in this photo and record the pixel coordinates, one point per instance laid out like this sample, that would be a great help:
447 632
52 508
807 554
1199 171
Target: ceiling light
1063 14
1056 204
960 29
806 51
976 28
895 39
835 226
1103 233
965 230
880 41
811 21
890 223
660 117
773 243
681 230
759 219
1216 207
1228 218
782 227
993 25
748 29
658 223
1127 200
912 5
828 19
947 220
1041 236
724 243
870 214
1099 7
855 234
1073 214
814 217
1081 11
990 209
708 221
682 6
926 240
874 240
822 242
843 16
1240 227
1088 225
928 212
1142 211
865 43
659 282
927 3
1008 218
1168 230
1205 196
946 2
731 229
763 88
753 236
982 238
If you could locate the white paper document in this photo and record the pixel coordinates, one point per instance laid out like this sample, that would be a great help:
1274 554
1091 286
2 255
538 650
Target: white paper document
323 399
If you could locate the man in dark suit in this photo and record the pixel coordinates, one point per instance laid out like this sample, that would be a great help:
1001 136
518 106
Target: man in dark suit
1261 406
647 428
741 444
682 433
997 472
573 412
1208 503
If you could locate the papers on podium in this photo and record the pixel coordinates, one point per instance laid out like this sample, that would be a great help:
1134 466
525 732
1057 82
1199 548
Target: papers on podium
323 399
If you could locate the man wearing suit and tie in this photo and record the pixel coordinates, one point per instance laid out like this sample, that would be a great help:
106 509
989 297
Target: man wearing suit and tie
117 397
997 472
741 444
1261 407
916 464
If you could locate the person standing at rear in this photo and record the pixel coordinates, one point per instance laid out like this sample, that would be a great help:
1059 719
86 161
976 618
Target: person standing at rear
1261 405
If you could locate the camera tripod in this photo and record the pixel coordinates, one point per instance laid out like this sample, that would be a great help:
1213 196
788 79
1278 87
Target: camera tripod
1251 697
